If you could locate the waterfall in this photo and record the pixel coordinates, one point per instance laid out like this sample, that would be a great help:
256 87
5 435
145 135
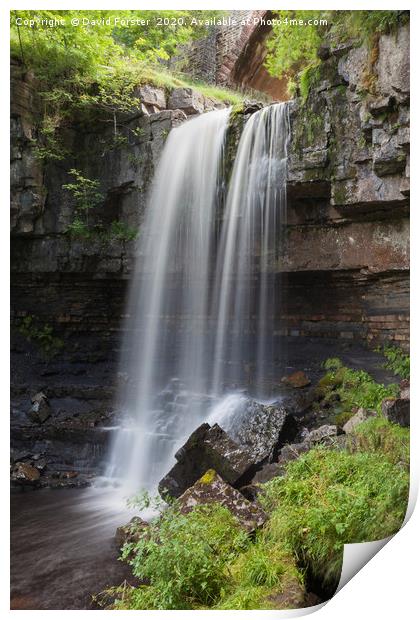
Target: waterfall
201 306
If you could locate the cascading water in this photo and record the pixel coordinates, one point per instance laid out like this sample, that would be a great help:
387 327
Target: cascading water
167 329
202 299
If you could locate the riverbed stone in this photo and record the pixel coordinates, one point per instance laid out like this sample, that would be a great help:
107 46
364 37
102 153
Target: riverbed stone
40 410
208 447
211 488
23 473
297 379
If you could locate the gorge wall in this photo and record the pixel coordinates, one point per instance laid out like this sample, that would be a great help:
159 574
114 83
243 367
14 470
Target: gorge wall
345 263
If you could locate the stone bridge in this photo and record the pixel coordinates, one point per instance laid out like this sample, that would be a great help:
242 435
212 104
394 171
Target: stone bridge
233 54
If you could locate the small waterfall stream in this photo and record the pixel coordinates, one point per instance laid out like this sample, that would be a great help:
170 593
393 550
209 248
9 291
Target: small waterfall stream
202 298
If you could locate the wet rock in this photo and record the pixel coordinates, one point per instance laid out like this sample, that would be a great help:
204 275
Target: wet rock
207 448
360 416
323 435
299 402
297 379
397 410
268 472
132 532
186 99
211 488
23 473
40 410
262 430
68 475
290 452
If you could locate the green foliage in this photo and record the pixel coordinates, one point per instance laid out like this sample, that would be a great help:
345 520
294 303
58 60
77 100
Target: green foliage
86 196
391 440
333 363
121 230
184 558
292 48
329 498
41 334
397 361
308 77
91 70
354 388
265 569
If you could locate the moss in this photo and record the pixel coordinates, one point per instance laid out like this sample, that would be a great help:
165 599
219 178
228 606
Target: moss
341 418
309 77
208 477
341 194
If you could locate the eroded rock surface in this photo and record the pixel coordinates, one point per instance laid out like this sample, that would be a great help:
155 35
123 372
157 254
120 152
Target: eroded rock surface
211 488
206 448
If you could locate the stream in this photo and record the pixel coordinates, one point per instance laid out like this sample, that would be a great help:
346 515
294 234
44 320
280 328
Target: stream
63 549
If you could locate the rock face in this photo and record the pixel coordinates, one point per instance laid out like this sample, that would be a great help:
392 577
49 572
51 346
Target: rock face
348 189
212 488
397 410
262 430
207 448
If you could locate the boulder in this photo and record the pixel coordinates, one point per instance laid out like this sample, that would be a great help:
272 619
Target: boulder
207 448
211 488
132 532
262 430
23 473
324 434
151 97
297 379
40 410
186 99
360 416
397 410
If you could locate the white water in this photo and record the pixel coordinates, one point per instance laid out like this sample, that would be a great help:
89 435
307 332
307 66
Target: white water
202 299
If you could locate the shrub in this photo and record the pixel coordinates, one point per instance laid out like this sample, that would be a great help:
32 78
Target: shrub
41 334
185 557
397 361
355 388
